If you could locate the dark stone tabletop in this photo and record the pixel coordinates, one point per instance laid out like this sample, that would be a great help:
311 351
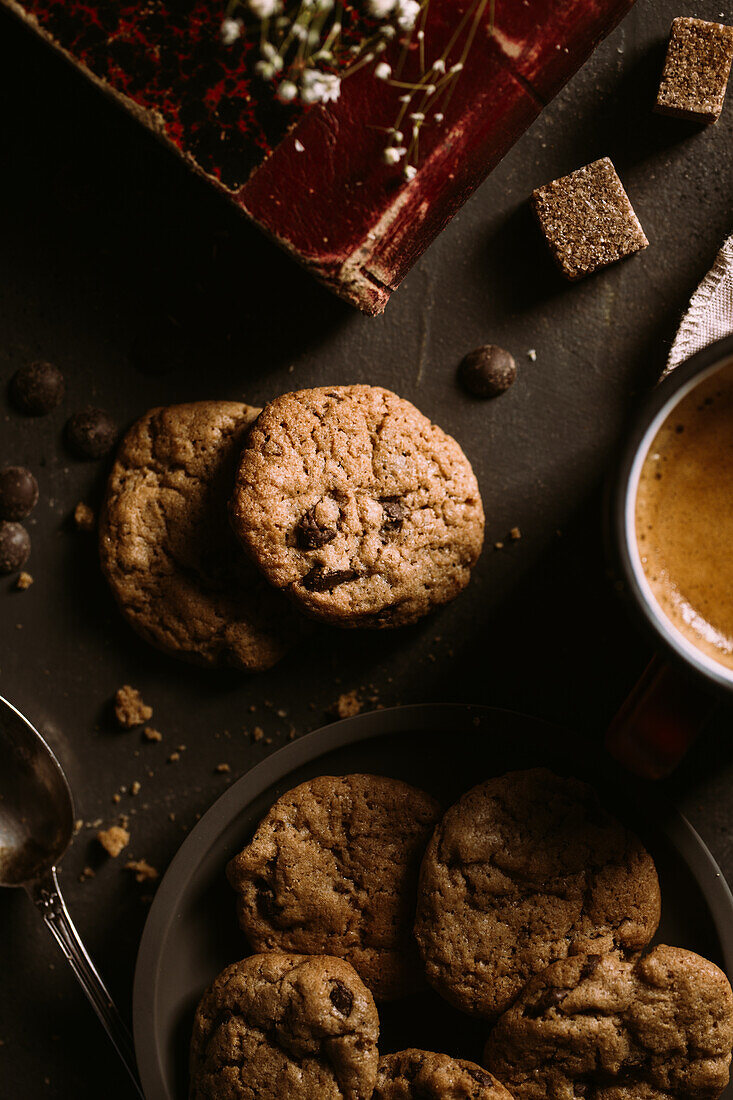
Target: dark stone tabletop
145 288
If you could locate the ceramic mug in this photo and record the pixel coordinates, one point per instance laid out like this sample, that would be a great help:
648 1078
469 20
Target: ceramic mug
680 689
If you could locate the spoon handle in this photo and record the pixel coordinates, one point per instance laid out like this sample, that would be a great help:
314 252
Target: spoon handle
45 893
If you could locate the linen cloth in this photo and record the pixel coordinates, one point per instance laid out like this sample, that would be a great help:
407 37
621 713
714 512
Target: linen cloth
709 315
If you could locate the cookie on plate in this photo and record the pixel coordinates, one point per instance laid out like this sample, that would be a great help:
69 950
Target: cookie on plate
526 869
352 502
422 1075
603 1028
167 550
333 868
275 1026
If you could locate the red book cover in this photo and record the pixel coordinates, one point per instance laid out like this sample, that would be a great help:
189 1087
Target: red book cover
314 178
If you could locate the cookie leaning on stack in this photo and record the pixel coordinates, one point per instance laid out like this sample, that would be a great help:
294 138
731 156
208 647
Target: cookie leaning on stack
349 500
655 1028
332 869
526 869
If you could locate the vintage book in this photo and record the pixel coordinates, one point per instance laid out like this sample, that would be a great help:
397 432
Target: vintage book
314 179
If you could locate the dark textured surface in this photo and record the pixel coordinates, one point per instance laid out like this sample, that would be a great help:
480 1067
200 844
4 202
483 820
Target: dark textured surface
146 289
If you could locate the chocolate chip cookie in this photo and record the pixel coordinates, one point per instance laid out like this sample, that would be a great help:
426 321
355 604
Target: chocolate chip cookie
333 868
354 504
176 570
275 1026
422 1075
603 1028
523 870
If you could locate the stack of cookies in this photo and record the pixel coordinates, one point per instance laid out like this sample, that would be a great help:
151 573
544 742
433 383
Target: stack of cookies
224 524
525 904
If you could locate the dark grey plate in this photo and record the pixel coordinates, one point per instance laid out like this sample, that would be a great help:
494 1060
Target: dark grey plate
191 932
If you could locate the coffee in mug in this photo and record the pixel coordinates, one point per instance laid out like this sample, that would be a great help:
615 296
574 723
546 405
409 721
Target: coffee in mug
684 516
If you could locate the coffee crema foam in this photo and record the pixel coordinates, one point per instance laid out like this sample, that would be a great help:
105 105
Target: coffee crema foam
684 516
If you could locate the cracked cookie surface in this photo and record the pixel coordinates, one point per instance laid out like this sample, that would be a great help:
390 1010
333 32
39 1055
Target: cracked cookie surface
525 869
333 868
353 503
167 550
275 1026
602 1028
423 1075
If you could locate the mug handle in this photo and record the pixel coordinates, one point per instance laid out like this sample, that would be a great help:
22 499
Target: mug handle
659 721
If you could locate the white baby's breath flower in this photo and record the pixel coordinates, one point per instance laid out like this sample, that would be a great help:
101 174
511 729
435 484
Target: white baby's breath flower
318 87
287 91
383 71
406 14
265 69
439 65
410 172
393 154
231 30
381 9
264 9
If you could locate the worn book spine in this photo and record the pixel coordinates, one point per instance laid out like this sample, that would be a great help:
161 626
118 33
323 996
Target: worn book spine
315 179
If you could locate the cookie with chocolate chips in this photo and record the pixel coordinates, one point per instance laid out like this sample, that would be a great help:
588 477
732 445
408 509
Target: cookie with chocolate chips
333 868
166 547
354 504
604 1028
526 869
275 1026
423 1075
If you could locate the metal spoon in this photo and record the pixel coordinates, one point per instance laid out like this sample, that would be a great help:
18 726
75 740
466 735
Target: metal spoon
36 826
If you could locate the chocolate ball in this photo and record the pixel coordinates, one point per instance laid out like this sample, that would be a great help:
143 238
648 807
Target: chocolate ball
90 433
487 371
37 388
18 492
15 546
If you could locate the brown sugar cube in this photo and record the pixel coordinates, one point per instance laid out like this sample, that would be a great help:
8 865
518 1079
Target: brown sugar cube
130 710
696 70
587 219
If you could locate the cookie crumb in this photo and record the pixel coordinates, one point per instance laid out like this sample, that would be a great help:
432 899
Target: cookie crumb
258 733
515 534
84 518
223 769
498 545
174 758
135 788
141 869
113 840
87 873
25 580
347 705
151 734
130 710
116 798
532 355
